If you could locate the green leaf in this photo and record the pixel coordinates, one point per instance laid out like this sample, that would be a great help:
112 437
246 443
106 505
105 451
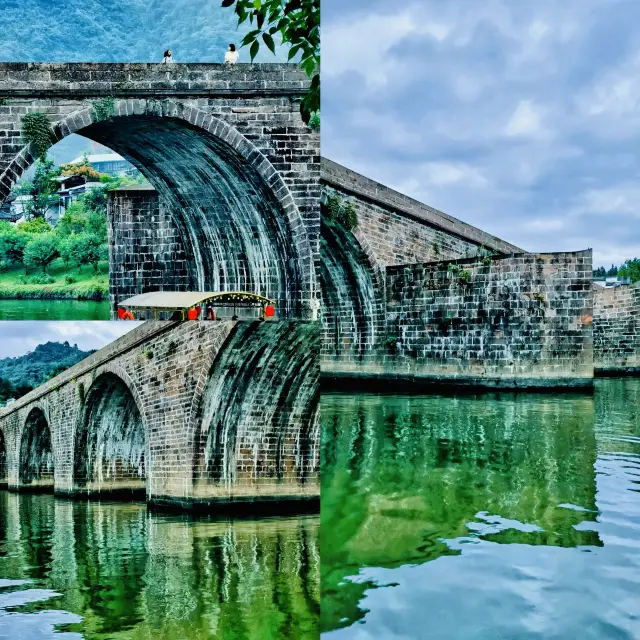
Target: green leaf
254 50
268 40
293 51
256 4
227 3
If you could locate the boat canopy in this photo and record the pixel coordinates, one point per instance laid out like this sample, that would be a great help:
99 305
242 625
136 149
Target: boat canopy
179 300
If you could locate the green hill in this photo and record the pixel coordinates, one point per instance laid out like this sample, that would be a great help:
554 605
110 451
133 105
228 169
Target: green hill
19 375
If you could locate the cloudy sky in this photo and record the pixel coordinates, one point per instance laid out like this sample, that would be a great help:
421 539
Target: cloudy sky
520 118
19 338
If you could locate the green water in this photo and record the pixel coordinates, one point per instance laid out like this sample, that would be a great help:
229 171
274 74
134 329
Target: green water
498 516
54 310
74 570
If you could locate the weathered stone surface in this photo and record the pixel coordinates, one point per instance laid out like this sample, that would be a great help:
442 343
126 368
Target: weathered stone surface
616 329
387 282
195 412
234 165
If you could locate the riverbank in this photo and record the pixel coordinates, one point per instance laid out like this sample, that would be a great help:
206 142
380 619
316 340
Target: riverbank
82 283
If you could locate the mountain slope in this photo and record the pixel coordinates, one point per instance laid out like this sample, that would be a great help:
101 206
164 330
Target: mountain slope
37 366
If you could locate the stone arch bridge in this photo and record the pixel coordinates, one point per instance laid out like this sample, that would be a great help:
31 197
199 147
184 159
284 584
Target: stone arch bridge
235 169
188 414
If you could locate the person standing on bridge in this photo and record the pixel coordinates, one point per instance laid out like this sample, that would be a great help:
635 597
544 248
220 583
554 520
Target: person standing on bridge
168 58
231 56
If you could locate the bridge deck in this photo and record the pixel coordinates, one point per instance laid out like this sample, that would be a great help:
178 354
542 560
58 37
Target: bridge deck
49 79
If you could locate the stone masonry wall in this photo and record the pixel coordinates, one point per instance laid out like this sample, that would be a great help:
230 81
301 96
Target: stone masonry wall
225 146
522 320
146 249
391 229
616 329
166 368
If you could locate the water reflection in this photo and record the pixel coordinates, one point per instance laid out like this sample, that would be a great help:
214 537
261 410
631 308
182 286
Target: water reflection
110 570
493 516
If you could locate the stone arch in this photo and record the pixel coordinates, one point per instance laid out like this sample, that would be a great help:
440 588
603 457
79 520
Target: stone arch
36 464
236 215
256 423
111 448
4 467
352 291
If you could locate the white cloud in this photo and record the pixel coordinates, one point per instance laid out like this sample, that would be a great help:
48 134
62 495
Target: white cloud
363 43
525 120
20 337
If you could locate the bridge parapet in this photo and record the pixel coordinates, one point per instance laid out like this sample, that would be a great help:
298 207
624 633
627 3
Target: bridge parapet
86 79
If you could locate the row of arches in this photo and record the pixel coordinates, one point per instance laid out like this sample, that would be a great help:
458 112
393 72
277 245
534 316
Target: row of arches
110 445
109 449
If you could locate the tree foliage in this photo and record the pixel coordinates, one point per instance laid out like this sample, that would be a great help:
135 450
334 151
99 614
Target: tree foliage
41 251
630 269
42 190
298 24
12 245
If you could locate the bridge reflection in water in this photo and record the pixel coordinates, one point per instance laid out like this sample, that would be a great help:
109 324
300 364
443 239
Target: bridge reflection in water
113 570
494 515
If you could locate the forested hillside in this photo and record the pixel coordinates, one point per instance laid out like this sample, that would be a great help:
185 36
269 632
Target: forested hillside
20 375
120 31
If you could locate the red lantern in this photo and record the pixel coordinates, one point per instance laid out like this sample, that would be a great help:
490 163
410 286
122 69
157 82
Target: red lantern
193 314
121 312
269 311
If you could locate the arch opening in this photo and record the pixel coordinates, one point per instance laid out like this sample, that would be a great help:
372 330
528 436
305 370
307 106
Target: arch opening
351 297
257 426
233 213
36 453
236 233
110 453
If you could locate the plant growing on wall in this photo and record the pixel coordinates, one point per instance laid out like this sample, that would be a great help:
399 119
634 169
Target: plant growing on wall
464 275
392 343
80 391
37 132
105 108
343 214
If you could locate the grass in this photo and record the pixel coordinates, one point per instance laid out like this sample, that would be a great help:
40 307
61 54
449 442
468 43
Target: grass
87 284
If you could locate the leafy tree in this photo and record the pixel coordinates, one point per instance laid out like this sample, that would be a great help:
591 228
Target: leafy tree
298 23
41 190
600 272
613 271
34 226
82 249
41 251
630 269
83 169
97 226
12 245
90 249
73 221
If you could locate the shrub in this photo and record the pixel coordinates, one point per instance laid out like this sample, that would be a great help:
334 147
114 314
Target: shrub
69 279
314 122
41 278
34 226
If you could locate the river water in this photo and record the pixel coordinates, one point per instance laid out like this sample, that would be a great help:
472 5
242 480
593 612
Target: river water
72 570
496 516
54 310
